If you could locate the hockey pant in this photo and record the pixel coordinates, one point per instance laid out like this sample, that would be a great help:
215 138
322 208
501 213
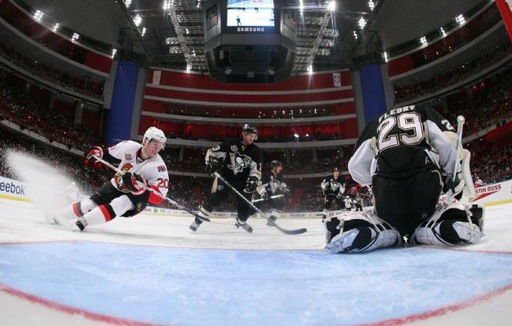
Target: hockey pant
107 203
220 193
406 202
452 225
361 233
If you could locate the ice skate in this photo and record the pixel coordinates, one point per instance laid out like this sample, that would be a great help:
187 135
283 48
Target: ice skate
195 225
81 224
243 225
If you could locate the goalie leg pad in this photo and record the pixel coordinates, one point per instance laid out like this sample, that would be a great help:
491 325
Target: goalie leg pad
363 234
453 225
363 240
332 228
448 233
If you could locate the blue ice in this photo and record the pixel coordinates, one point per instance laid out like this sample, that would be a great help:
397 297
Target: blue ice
162 285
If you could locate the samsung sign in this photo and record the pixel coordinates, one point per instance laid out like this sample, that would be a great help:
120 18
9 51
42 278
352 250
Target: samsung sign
12 189
250 29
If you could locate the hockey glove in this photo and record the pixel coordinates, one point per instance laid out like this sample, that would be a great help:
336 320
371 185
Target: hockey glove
213 165
90 160
96 151
250 186
134 182
456 186
284 188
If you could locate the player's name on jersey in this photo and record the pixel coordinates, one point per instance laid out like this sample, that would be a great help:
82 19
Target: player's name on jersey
396 111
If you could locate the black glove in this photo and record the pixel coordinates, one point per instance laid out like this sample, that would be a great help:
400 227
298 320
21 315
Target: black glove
456 186
272 220
213 164
134 182
250 186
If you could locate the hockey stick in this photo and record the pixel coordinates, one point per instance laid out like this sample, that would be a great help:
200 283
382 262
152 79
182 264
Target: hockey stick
460 124
167 199
263 199
270 220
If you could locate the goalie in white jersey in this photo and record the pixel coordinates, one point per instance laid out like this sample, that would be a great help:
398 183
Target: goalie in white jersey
126 195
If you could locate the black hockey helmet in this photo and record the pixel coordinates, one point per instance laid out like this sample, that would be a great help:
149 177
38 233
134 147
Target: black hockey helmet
250 129
335 170
275 164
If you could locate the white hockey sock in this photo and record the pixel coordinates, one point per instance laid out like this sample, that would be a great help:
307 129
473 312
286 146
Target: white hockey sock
96 216
105 213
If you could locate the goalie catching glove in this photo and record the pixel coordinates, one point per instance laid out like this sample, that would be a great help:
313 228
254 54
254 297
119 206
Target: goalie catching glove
134 182
251 184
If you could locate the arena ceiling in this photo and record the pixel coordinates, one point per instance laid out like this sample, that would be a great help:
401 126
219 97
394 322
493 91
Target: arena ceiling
174 37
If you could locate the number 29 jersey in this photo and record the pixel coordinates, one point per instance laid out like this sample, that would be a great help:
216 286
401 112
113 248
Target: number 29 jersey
420 127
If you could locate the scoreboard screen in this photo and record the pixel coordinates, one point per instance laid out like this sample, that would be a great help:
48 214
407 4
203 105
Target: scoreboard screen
250 16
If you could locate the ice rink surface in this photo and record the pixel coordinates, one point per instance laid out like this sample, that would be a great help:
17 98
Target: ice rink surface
152 270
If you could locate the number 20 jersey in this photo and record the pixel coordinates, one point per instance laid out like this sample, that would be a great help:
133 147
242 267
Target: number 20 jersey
406 126
153 170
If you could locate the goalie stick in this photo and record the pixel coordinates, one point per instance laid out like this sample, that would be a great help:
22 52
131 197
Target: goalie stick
167 199
458 146
270 220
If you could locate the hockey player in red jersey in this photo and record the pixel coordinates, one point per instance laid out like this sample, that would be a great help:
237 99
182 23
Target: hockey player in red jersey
125 194
409 158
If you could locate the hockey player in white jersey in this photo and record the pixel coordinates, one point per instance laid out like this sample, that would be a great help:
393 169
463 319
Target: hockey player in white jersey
126 195
408 156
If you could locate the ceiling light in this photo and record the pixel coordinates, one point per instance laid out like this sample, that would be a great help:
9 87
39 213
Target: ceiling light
38 15
460 19
75 37
56 27
361 22
137 20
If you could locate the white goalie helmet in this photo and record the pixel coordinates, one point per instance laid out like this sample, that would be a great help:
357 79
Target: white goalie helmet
155 133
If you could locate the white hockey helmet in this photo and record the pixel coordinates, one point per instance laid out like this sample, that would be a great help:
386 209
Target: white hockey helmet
156 134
